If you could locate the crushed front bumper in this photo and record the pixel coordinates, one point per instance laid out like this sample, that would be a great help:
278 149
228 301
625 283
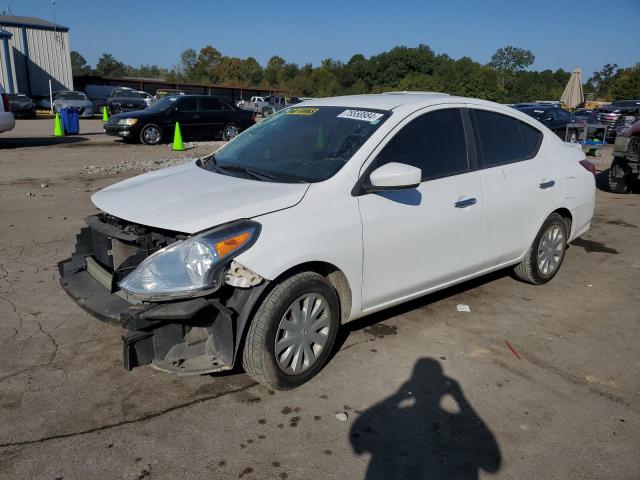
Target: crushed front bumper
194 336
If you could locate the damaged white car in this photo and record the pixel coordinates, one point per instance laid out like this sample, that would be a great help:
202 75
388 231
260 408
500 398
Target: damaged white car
323 213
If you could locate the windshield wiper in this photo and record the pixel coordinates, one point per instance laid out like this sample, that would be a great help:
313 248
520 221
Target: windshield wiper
258 175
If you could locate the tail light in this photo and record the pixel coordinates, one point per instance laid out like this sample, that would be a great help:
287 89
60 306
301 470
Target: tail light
589 166
5 102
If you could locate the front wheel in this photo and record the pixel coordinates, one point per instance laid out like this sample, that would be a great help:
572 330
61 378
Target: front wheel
151 134
230 131
618 177
545 255
266 112
293 332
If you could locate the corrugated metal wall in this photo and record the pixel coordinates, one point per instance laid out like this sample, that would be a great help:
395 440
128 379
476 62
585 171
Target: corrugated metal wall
4 74
45 56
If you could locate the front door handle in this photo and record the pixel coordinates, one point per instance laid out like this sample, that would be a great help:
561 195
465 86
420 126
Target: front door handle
465 203
547 184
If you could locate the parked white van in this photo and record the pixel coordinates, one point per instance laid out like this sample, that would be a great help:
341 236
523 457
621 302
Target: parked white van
323 213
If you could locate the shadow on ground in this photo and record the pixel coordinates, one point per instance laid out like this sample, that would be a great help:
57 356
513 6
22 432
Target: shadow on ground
7 143
427 429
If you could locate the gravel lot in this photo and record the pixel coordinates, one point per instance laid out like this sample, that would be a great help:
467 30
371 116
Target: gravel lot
419 381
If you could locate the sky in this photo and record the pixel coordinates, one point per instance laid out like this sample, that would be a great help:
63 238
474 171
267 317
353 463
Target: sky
560 33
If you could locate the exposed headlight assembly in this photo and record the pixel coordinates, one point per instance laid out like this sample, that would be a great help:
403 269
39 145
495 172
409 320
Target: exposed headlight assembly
127 121
190 267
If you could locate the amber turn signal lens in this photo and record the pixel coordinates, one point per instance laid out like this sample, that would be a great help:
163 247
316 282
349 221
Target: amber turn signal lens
228 245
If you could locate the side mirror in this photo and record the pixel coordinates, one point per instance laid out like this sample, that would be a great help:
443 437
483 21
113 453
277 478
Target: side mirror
394 176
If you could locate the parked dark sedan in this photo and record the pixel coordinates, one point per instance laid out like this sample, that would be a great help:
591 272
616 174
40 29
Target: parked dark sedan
555 119
200 116
125 100
22 105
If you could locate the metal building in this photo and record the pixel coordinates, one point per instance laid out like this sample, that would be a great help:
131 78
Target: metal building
32 52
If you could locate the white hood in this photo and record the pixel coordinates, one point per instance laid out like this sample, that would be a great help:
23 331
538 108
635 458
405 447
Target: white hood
189 199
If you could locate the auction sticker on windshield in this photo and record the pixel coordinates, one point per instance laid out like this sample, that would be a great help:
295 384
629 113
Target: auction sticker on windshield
302 111
361 115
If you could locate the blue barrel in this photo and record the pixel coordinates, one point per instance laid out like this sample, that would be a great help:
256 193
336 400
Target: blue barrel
70 120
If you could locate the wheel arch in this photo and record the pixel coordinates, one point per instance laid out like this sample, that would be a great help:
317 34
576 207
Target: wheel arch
334 276
568 217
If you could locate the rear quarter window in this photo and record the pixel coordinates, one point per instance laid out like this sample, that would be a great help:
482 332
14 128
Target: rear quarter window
502 139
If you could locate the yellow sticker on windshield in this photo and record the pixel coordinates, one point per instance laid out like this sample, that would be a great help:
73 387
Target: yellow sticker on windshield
302 111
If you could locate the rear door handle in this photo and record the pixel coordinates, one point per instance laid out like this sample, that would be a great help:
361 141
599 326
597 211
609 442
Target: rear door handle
547 184
465 203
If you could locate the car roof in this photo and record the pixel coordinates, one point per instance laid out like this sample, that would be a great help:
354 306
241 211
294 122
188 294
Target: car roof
539 107
381 101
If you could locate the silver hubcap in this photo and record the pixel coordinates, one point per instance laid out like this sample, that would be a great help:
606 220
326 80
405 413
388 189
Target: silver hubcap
550 250
231 131
302 333
151 134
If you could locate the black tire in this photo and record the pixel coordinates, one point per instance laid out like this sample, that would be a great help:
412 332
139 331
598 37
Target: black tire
147 138
259 358
619 177
528 269
266 112
227 131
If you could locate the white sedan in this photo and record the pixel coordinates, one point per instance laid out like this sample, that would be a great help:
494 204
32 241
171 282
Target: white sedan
7 120
321 214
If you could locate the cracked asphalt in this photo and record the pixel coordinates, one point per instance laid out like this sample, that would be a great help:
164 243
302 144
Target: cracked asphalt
426 389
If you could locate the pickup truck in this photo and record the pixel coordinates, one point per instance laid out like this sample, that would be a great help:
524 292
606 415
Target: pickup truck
265 106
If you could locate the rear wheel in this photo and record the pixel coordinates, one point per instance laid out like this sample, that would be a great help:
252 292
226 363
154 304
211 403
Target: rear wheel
266 112
619 177
545 255
151 134
293 332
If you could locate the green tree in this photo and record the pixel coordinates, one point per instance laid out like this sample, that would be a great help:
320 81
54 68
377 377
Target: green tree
601 80
79 65
509 60
274 72
188 64
625 84
110 67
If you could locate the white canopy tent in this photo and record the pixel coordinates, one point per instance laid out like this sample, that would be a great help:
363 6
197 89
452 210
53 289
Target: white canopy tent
573 95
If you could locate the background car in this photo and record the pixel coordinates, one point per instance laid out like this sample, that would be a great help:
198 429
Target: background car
78 100
617 114
584 116
200 116
556 119
22 105
148 98
166 92
7 120
125 100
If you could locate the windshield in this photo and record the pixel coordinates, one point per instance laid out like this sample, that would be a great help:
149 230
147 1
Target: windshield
299 144
71 96
126 93
163 103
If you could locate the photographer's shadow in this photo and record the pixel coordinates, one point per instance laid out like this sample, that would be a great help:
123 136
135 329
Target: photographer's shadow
426 430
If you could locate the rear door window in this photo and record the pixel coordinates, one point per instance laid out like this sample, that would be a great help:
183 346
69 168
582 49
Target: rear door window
501 139
189 104
434 143
210 103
